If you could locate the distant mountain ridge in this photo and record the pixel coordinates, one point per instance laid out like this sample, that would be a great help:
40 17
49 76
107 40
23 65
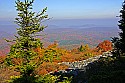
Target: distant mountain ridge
68 36
76 36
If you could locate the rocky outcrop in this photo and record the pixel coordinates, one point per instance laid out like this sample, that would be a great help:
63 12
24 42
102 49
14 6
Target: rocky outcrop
84 64
81 64
78 67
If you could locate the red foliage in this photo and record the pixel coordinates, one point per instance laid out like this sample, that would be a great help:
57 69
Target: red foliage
64 56
104 46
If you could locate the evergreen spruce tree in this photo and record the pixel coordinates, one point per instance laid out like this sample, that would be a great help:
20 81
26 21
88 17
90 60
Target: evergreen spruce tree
26 41
119 43
81 48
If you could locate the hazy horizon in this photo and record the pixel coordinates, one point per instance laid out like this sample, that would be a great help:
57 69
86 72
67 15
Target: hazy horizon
66 14
10 26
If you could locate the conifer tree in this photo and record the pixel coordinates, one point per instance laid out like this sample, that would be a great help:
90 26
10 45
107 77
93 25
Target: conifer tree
81 48
26 41
119 43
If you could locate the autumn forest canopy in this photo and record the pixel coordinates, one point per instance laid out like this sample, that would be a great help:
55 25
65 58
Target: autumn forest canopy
30 58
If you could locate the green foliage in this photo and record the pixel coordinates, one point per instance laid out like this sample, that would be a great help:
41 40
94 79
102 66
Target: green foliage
83 48
22 55
112 77
119 43
47 79
33 79
39 79
50 54
67 80
108 70
22 79
88 54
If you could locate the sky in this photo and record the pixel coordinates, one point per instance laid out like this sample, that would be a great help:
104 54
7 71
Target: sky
67 9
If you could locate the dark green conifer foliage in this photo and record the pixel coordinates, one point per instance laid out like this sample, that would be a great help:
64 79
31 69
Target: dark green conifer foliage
23 49
81 48
119 43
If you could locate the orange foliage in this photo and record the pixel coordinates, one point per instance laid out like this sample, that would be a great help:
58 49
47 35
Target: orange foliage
63 56
17 61
2 58
66 58
47 67
43 71
104 46
54 45
6 73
